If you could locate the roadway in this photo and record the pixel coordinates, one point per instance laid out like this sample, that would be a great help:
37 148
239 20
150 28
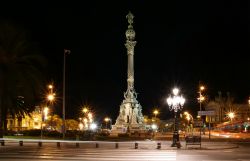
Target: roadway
126 152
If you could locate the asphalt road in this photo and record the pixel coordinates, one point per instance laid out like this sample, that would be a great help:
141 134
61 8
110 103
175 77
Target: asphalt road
126 152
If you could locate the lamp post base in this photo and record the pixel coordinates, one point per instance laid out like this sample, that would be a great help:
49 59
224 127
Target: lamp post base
176 140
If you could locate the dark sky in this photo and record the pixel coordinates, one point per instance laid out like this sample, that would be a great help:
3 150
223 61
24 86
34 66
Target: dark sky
179 43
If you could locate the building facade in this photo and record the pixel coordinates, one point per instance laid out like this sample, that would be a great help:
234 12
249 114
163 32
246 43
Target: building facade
32 121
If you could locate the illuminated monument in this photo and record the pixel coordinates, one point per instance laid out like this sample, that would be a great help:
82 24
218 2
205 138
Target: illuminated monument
130 117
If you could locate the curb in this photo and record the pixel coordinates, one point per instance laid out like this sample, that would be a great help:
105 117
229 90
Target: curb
214 148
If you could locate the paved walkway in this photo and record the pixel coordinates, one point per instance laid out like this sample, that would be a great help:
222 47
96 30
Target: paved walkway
148 144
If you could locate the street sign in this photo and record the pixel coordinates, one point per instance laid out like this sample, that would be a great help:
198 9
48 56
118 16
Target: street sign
206 113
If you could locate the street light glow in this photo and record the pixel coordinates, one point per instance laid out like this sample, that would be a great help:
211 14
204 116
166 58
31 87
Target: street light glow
51 97
85 110
90 115
154 126
202 88
50 86
85 120
175 102
93 126
81 126
156 112
106 119
231 115
175 91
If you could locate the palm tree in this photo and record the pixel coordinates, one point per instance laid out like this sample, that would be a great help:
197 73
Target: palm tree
221 105
20 74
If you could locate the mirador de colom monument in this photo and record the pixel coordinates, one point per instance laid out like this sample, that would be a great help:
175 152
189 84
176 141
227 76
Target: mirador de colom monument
130 117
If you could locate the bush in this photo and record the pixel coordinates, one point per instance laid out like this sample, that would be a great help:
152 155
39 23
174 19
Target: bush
52 134
86 135
123 135
71 133
10 133
103 134
35 132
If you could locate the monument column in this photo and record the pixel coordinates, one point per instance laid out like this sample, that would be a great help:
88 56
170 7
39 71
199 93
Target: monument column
130 117
130 44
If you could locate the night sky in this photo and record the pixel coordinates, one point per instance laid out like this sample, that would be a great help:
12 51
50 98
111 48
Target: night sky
179 43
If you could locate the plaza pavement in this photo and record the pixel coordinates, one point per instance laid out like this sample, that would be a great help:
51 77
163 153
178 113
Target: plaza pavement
147 144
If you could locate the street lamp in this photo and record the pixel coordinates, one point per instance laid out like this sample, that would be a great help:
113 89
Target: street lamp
51 97
201 98
64 70
85 110
50 86
231 115
156 112
45 110
106 119
175 103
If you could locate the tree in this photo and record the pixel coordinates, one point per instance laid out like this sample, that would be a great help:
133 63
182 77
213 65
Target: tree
221 105
54 122
20 73
71 124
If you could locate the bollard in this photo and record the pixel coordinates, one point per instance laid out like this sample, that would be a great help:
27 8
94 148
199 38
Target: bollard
58 144
77 145
21 143
2 142
116 145
158 145
39 143
178 144
136 145
97 145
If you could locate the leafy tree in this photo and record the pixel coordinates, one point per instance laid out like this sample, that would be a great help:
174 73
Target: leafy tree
20 73
54 122
71 124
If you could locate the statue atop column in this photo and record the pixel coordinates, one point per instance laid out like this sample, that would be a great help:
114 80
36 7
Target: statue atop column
130 116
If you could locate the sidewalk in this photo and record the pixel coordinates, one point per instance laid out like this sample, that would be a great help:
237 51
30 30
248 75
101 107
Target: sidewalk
204 146
217 145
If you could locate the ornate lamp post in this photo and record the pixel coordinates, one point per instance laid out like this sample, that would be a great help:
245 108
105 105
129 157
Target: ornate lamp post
175 103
